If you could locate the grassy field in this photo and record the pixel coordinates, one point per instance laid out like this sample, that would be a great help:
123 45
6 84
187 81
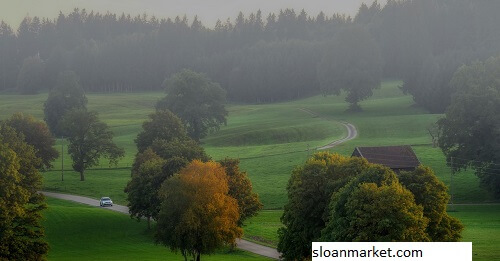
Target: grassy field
263 227
281 133
389 118
270 140
482 228
80 232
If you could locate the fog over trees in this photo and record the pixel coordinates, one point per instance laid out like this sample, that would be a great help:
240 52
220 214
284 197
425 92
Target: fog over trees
254 57
208 11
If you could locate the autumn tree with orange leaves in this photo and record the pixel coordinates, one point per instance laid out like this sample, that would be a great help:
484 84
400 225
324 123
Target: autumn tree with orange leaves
197 215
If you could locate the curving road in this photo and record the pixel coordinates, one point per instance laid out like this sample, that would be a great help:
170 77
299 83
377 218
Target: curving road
241 244
352 132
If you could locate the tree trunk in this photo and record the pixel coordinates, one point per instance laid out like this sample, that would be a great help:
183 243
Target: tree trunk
82 177
149 223
198 256
184 254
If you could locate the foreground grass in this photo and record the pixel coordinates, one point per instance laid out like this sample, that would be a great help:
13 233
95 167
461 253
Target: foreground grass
263 228
482 228
79 232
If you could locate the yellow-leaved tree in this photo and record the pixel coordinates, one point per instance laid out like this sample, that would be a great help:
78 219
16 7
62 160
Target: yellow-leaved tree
197 215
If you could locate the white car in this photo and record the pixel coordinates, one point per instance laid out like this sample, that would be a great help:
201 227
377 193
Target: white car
105 201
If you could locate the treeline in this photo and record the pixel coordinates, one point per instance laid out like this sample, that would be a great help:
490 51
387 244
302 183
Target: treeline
254 58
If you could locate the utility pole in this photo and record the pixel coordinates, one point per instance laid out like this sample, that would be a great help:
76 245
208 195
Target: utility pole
451 180
62 158
4 62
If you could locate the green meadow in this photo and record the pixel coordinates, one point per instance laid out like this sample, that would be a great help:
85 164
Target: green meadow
271 140
80 232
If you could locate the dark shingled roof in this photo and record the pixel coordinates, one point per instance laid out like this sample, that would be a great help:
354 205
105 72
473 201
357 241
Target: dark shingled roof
394 157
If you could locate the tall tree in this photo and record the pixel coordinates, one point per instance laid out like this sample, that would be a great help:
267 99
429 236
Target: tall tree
89 140
66 95
164 149
8 57
30 77
430 85
310 189
13 200
335 198
240 188
142 190
470 132
37 134
432 195
162 125
400 220
197 100
353 64
197 215
21 231
382 213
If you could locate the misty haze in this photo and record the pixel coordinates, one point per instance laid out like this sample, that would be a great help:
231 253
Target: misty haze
247 130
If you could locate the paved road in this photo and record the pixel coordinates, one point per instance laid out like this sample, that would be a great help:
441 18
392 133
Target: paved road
352 132
241 244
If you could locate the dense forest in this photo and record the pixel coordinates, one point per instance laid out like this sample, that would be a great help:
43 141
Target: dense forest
254 58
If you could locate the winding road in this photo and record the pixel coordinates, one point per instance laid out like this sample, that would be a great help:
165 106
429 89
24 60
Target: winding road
352 132
241 243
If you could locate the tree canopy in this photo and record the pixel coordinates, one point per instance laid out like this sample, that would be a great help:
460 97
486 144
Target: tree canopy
240 188
89 140
197 215
162 125
37 134
432 194
21 231
197 100
65 96
469 134
309 193
142 189
382 213
164 149
30 78
374 206
352 63
340 199
255 58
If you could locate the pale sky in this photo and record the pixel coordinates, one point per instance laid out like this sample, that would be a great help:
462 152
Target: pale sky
13 11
